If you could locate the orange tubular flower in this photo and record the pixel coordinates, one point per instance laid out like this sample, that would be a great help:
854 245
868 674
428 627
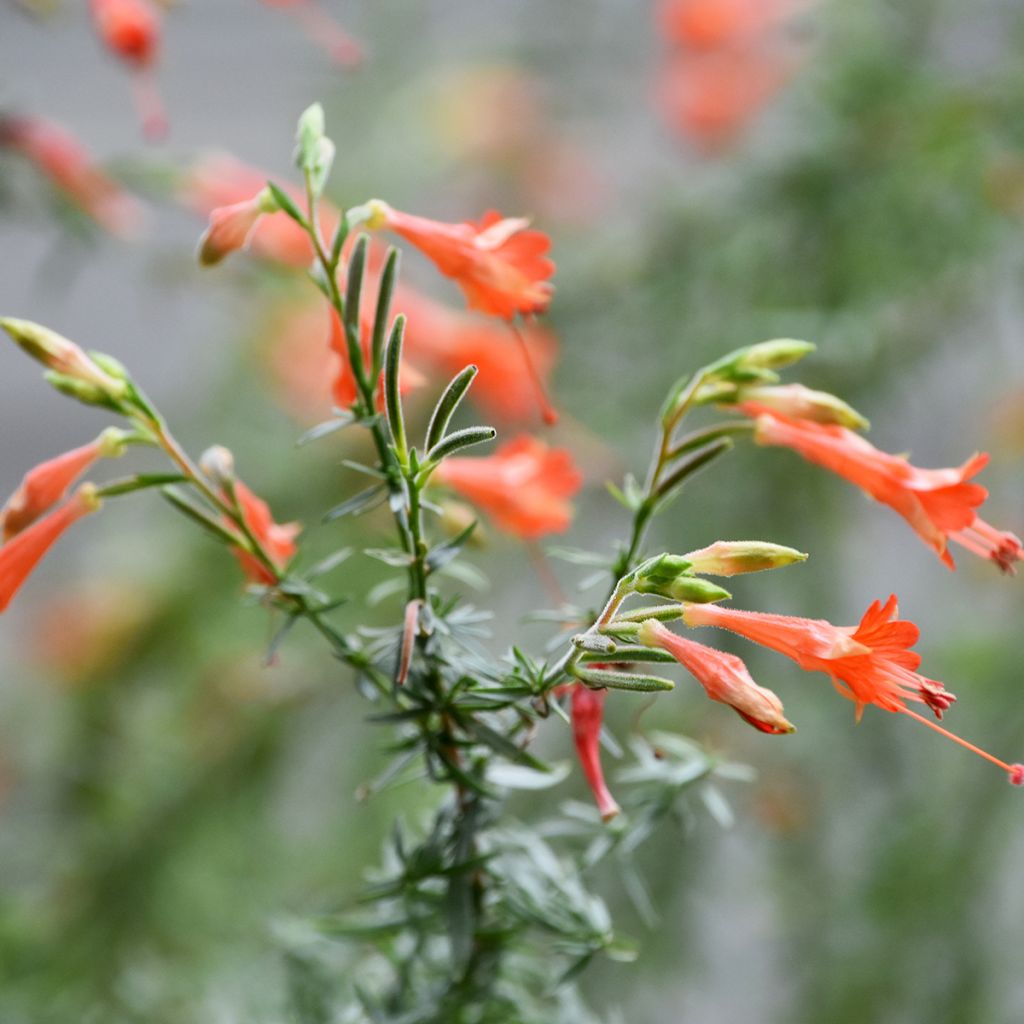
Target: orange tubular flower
524 486
501 266
62 159
47 483
587 717
724 677
939 504
276 539
20 555
131 30
870 663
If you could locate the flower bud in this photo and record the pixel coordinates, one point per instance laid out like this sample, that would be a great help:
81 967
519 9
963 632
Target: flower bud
230 226
802 403
732 557
671 576
723 676
66 360
219 466
773 355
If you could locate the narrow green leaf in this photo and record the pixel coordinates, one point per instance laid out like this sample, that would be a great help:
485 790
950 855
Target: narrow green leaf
455 442
447 404
669 487
442 554
346 419
392 390
198 515
129 484
287 204
358 504
383 313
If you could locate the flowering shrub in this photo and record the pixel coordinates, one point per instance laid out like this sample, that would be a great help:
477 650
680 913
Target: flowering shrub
477 917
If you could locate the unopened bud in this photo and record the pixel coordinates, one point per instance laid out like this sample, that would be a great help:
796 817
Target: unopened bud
801 403
66 360
112 443
218 464
757 362
671 576
732 557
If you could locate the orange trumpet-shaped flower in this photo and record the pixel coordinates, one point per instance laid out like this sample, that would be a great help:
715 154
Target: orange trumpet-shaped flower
870 663
501 266
22 553
939 504
276 539
587 713
323 30
46 484
131 30
64 161
724 677
525 486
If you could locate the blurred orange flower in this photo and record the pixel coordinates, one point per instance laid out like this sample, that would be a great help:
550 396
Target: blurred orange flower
323 30
525 486
276 539
131 30
219 180
59 156
22 553
47 483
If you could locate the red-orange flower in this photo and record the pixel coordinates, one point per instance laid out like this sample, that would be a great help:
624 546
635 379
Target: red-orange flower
47 484
525 486
61 158
22 553
710 24
938 503
131 30
230 227
724 677
323 30
587 716
276 539
219 180
501 266
711 97
870 663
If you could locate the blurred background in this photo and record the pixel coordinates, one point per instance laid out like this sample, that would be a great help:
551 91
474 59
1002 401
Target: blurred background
852 174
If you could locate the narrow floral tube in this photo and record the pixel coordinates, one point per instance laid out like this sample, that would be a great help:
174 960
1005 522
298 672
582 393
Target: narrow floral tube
47 484
587 718
724 677
20 555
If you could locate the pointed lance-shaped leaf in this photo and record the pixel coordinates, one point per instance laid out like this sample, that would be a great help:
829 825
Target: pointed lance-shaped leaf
392 388
455 442
447 404
380 321
616 680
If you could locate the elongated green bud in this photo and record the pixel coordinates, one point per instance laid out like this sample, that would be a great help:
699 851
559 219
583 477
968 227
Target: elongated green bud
732 557
70 365
671 576
801 403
